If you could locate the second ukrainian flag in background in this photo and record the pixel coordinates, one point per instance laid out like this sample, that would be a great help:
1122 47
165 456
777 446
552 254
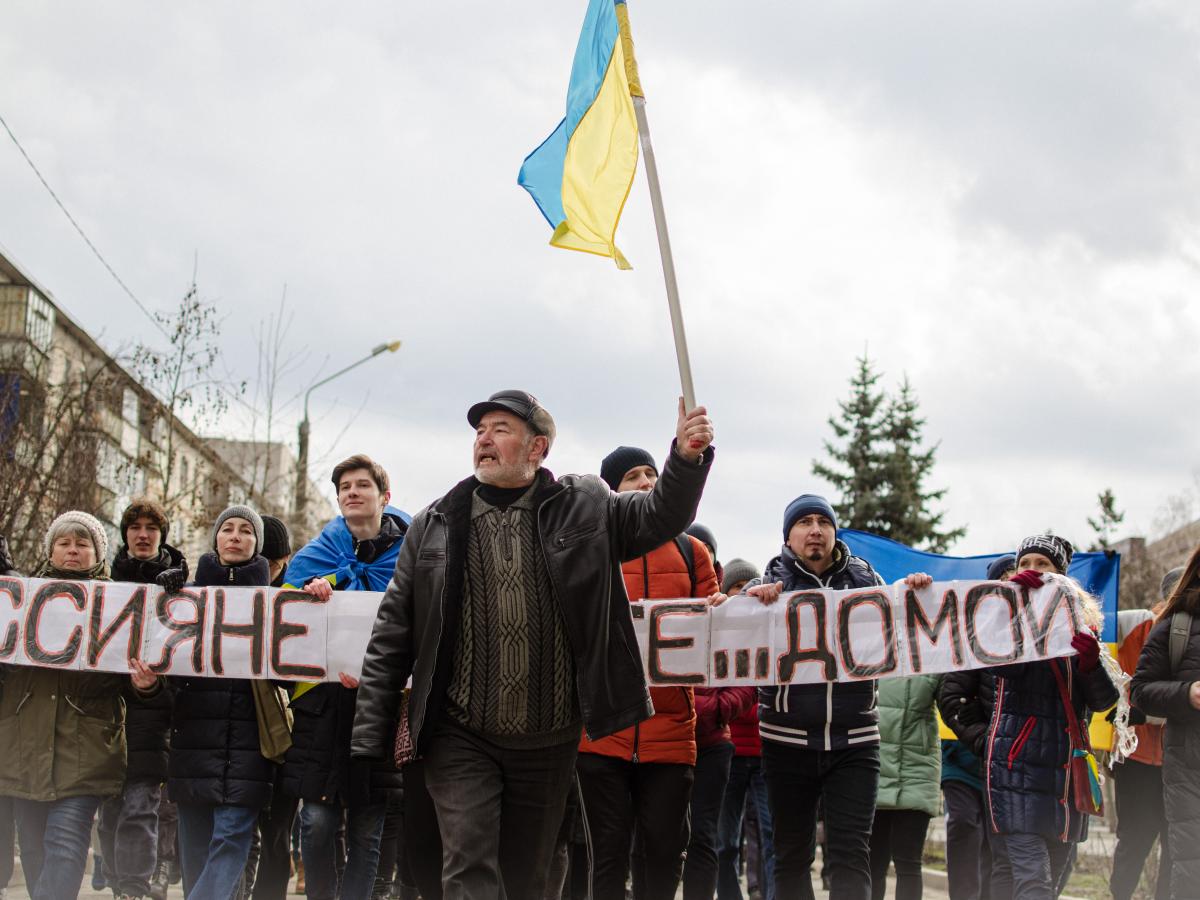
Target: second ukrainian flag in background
581 174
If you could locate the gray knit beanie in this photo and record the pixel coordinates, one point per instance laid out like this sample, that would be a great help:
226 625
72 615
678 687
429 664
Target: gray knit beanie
241 512
1169 581
83 520
738 570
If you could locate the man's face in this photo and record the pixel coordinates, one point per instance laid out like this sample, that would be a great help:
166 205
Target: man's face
1037 562
639 478
812 538
359 497
506 453
143 538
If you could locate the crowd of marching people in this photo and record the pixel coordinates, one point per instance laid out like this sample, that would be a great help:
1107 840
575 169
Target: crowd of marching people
501 740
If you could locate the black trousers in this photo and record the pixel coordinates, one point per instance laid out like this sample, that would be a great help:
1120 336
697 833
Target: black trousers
498 811
847 781
422 840
898 836
968 842
621 798
708 793
275 846
1140 820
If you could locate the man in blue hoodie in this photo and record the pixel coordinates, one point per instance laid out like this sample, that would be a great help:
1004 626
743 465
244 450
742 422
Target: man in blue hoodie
820 742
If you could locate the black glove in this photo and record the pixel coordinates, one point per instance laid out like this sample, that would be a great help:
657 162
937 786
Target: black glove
6 561
967 713
173 580
1136 716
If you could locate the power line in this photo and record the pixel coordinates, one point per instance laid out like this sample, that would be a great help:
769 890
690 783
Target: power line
104 262
70 218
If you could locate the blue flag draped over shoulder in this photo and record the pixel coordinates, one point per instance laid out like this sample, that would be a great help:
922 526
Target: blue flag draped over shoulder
331 553
1099 573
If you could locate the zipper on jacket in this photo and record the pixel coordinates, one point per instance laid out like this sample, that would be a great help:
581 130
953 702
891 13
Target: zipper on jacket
828 715
1022 737
1066 797
637 734
437 645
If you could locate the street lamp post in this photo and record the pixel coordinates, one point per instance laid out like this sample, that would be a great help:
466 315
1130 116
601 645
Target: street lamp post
302 464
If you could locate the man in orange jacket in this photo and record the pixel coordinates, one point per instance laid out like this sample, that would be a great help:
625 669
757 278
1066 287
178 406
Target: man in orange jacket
640 779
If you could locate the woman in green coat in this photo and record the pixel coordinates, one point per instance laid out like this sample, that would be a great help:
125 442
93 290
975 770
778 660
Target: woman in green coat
62 733
910 770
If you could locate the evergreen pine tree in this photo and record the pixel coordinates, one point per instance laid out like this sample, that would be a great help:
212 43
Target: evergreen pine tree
859 476
905 515
1106 523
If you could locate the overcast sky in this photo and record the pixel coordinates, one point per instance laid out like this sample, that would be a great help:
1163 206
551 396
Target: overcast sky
1002 202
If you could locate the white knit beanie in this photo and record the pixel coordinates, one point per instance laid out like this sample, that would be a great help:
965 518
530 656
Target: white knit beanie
89 522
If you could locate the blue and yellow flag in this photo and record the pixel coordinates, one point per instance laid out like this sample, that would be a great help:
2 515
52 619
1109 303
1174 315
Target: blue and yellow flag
581 174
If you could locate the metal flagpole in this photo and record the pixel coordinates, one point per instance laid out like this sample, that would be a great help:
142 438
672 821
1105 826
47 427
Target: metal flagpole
660 216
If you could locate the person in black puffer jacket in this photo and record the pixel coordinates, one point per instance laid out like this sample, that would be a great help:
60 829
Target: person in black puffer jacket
965 699
128 824
1173 692
217 774
1028 746
819 739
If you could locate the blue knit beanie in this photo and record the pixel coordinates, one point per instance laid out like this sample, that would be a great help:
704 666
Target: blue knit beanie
806 505
1001 566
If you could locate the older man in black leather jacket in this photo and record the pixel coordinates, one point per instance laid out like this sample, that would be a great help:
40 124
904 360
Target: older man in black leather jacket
508 610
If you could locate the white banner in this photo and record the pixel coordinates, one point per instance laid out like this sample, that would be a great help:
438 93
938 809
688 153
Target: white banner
804 637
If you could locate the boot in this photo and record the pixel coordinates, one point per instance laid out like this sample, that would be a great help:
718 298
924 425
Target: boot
300 877
159 881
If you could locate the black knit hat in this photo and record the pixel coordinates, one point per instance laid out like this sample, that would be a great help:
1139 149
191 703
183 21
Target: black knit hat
277 540
620 461
1056 549
704 535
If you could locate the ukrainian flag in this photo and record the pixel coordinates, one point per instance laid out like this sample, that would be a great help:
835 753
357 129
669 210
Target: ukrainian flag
581 174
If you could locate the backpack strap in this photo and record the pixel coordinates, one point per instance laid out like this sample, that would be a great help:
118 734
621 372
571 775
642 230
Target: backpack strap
1181 629
688 552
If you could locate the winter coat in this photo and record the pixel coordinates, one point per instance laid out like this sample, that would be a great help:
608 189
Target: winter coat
669 736
716 711
144 571
743 731
318 766
147 721
910 760
825 715
1158 692
62 732
1028 747
586 531
215 757
965 701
